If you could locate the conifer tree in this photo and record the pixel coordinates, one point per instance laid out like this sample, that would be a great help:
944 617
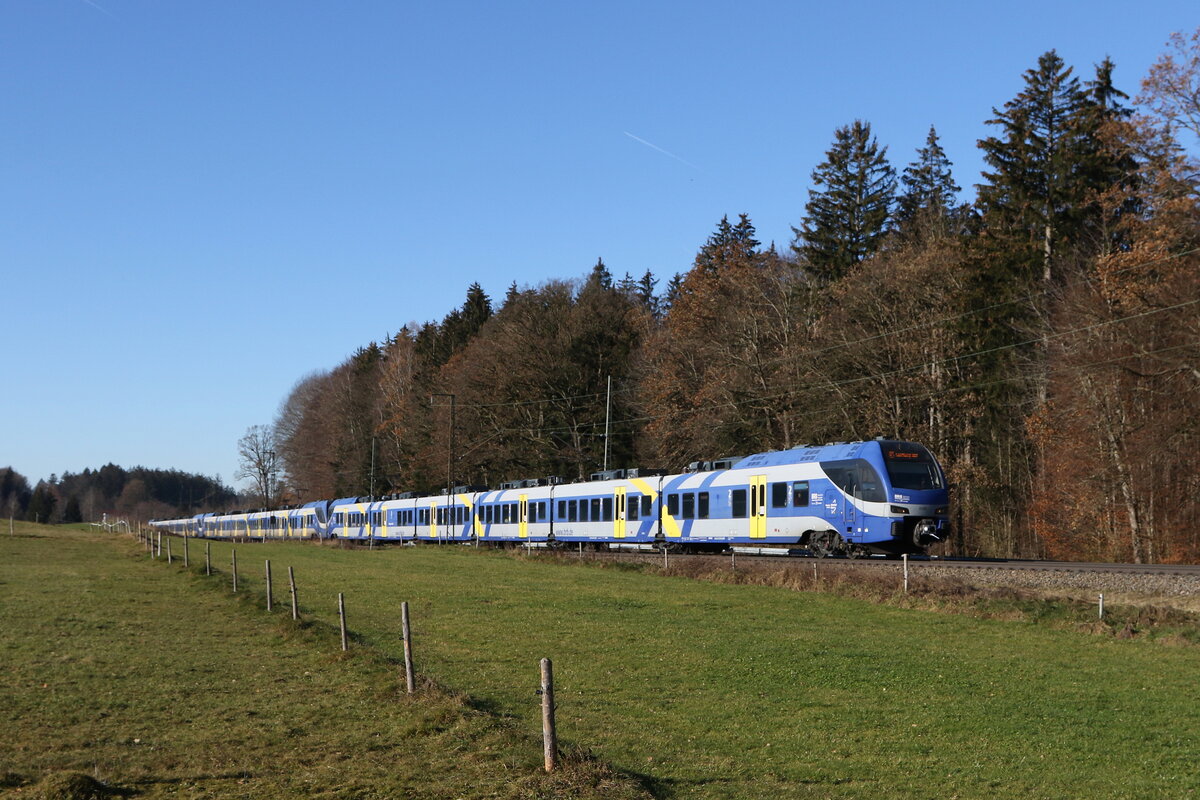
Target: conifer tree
728 246
848 211
670 294
600 276
928 201
1036 195
463 323
645 293
73 513
512 295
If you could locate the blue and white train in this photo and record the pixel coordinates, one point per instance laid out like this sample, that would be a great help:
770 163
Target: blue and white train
851 498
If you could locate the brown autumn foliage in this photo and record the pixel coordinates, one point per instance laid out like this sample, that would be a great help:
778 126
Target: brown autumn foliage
1120 431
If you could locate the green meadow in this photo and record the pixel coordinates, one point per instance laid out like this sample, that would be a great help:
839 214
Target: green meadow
163 682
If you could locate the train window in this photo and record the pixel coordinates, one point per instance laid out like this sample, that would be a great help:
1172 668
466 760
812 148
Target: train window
689 506
572 511
647 505
607 506
800 493
633 506
562 510
737 501
702 505
779 495
856 478
542 508
673 505
583 510
595 517
512 512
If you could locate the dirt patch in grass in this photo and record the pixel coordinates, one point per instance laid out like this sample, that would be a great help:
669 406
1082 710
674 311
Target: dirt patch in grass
74 786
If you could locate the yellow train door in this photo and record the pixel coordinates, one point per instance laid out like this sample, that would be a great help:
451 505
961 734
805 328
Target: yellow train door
619 512
758 507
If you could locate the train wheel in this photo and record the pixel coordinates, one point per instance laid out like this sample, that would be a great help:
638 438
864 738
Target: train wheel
825 544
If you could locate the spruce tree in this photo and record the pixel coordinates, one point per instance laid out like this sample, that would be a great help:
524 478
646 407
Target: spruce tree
73 513
728 246
929 200
600 276
645 292
848 211
670 294
1035 197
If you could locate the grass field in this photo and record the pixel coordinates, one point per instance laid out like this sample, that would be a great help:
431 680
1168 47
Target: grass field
161 684
692 689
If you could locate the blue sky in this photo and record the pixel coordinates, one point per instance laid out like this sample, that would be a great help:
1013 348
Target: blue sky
202 202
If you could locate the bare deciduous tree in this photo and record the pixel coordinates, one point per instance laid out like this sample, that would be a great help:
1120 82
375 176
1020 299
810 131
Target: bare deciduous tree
259 462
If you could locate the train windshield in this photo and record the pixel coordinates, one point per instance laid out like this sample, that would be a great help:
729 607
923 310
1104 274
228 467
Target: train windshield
911 467
856 478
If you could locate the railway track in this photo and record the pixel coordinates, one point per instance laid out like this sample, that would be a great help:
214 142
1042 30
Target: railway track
746 555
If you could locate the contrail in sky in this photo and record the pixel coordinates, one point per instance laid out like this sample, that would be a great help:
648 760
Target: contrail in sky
99 7
659 149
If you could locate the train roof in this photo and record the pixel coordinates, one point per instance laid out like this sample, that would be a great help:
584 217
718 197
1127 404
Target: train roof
831 451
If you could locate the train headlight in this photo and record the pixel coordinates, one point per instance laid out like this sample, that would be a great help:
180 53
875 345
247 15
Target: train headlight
899 510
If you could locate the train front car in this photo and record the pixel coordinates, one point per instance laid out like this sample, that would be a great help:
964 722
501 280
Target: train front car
881 496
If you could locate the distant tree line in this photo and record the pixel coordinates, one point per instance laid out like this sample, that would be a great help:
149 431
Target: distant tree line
1043 340
137 493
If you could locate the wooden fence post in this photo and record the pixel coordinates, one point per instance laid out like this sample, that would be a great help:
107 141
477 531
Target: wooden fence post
234 552
270 599
208 558
549 735
292 581
170 560
186 562
409 681
342 620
